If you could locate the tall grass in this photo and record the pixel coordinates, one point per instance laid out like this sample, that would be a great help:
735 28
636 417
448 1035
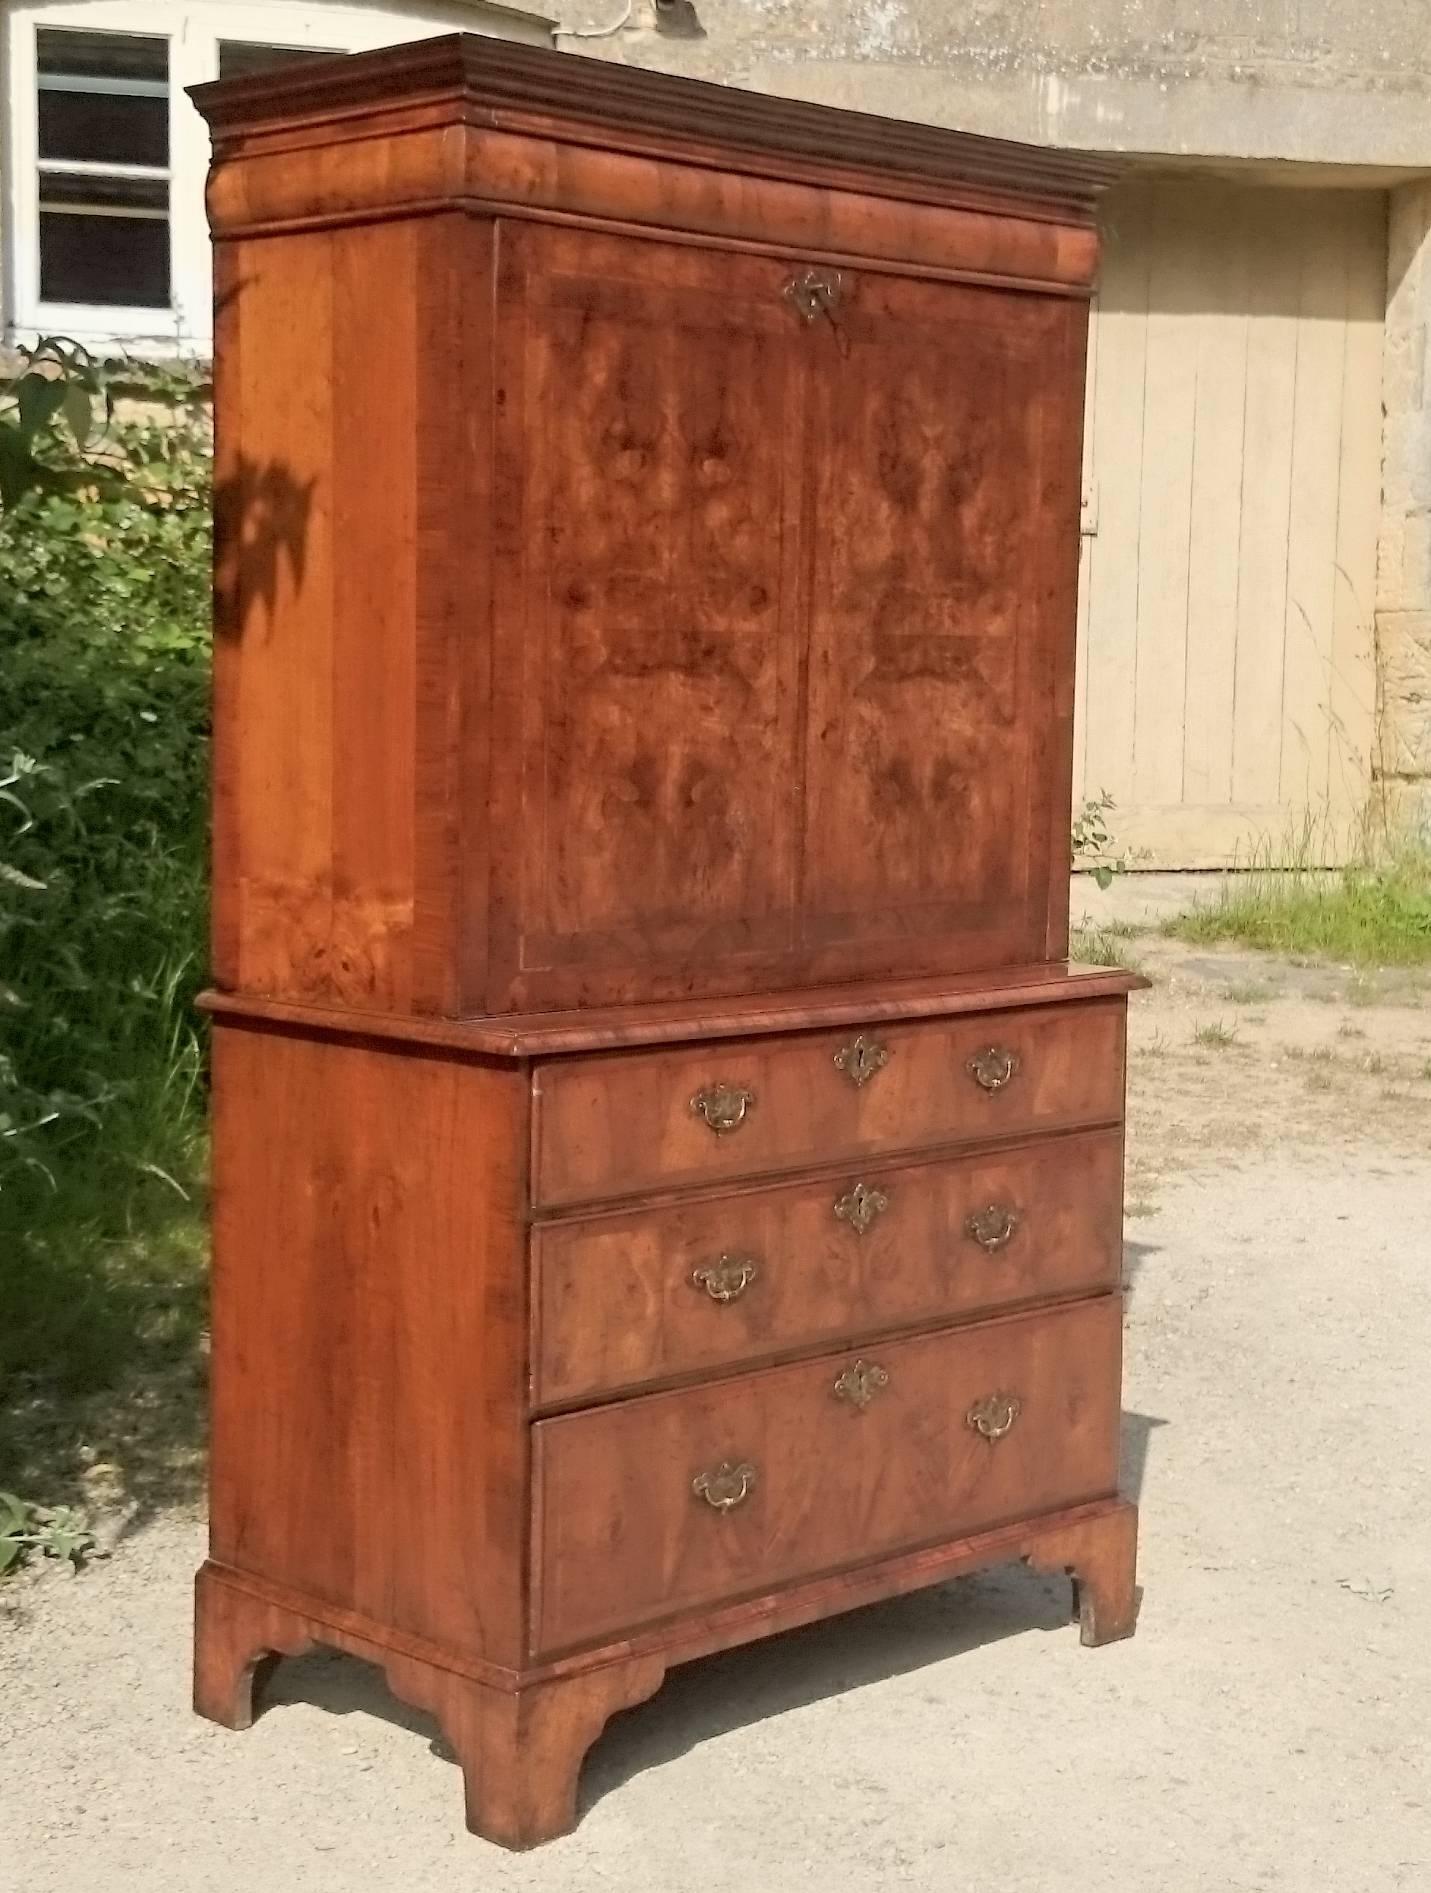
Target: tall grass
1375 912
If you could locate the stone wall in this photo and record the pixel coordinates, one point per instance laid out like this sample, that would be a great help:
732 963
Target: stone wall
1326 81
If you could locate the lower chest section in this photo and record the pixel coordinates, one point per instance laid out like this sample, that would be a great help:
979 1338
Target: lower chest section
817 1304
534 1359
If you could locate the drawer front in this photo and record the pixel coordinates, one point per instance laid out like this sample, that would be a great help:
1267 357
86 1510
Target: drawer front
715 1282
621 1123
677 1501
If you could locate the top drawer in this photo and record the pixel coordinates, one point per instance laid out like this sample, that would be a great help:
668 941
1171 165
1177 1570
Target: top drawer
623 1123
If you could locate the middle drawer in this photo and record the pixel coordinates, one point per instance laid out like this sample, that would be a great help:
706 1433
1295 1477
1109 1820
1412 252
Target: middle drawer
643 1295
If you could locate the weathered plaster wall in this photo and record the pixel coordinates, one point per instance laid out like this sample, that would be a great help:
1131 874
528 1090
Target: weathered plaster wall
1334 81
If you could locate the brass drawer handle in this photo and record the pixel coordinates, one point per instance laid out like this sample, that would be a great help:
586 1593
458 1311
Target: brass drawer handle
993 1067
991 1228
723 1107
727 1278
729 1485
860 1382
861 1059
994 1416
861 1207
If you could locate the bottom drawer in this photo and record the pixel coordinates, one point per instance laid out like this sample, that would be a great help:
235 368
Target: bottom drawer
679 1500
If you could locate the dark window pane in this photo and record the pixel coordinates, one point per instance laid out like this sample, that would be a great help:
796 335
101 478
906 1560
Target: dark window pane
107 259
102 55
103 97
103 129
237 57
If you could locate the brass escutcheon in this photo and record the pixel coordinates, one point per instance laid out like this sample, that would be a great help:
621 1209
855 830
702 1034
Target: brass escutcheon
993 1416
860 1382
993 1068
723 1107
727 1278
861 1206
861 1059
816 292
729 1485
991 1228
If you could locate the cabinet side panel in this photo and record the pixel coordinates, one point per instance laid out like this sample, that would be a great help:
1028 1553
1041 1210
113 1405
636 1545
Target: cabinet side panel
316 563
224 907
368 1371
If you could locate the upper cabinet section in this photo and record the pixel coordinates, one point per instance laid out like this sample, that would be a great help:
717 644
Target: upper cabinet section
647 537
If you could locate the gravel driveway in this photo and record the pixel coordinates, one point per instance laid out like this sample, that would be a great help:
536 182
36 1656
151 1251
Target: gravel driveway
1267 1728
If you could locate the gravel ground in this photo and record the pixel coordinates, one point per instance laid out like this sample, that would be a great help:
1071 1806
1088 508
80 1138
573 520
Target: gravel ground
1267 1728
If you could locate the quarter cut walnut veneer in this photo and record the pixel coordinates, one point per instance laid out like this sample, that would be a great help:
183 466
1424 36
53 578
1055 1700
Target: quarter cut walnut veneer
659 1145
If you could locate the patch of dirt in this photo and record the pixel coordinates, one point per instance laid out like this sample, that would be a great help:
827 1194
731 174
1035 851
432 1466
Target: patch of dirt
1231 1053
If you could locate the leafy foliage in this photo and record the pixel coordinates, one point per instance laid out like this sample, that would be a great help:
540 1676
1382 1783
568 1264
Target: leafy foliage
104 659
59 381
53 1531
1092 840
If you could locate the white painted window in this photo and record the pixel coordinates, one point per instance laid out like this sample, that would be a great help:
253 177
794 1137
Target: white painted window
103 229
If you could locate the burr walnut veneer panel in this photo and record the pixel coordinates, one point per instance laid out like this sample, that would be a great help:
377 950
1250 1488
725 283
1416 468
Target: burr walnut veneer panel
610 1126
830 1474
716 1278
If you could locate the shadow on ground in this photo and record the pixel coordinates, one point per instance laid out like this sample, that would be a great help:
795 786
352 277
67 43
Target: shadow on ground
702 1700
122 1455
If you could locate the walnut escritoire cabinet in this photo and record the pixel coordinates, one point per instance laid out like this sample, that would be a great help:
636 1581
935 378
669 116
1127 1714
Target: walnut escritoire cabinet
668 1179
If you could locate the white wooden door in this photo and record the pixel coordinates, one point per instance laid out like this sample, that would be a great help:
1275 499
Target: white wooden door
1232 492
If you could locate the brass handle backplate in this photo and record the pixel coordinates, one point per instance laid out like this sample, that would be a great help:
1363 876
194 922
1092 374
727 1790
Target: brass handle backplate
861 1206
816 292
728 1486
993 1416
993 1067
991 1228
861 1059
727 1278
723 1107
860 1382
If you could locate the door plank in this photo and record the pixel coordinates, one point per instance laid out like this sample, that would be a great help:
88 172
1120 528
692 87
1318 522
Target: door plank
1224 253
1121 330
1312 522
1175 320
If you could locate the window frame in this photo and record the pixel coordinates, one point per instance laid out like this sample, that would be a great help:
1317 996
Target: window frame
78 169
194 30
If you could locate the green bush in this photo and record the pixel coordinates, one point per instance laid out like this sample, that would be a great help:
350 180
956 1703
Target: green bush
104 714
